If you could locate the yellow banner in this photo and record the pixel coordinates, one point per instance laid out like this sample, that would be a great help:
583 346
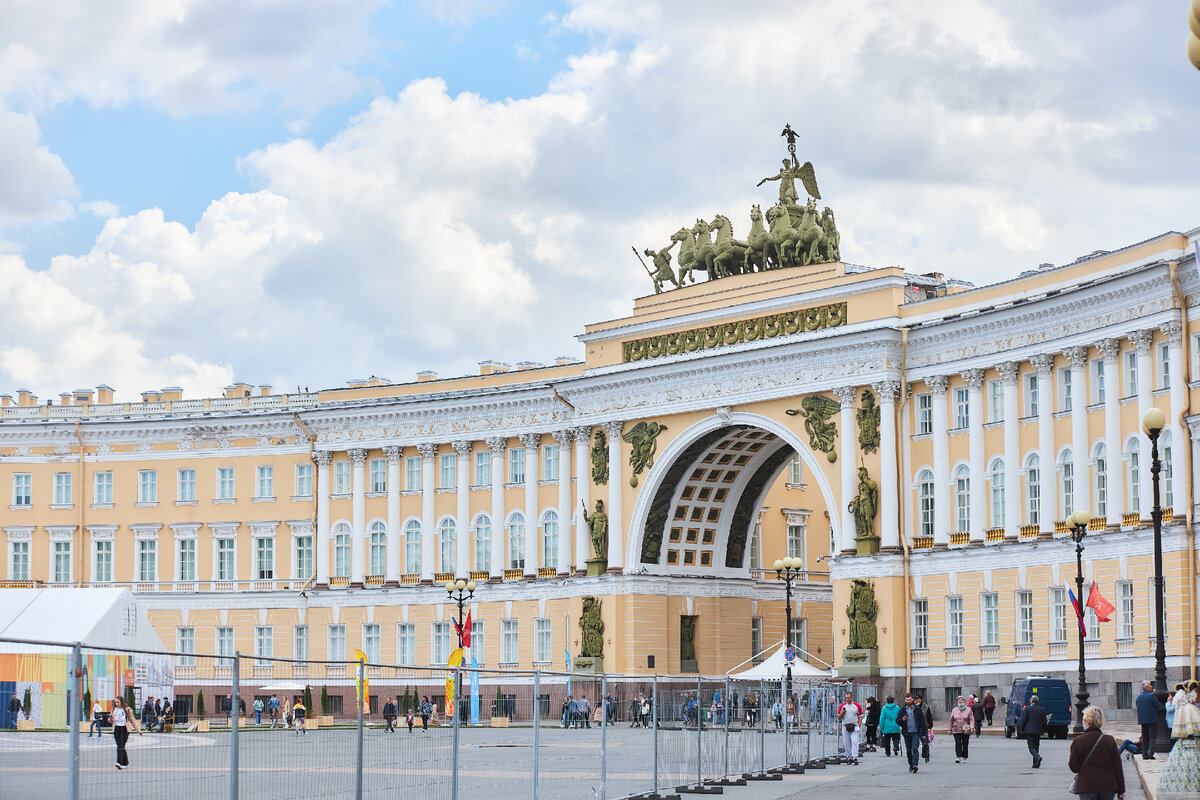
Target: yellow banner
456 659
361 682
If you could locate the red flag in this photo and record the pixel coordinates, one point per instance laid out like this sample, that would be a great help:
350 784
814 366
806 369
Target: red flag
466 630
1102 607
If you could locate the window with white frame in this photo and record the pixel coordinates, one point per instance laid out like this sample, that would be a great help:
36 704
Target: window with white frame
1089 622
300 642
1024 617
516 540
412 547
303 564
924 413
102 488
341 550
447 467
798 635
1067 468
483 542
446 537
483 467
991 619
304 480
18 561
406 644
550 539
549 462
22 489
1032 388
1125 609
227 559
185 643
1100 473
441 642
147 560
795 475
264 645
1164 365
1168 484
1058 614
920 624
996 479
925 510
377 548
264 481
756 546
962 407
796 534
337 643
185 486
225 646
62 488
264 557
1133 474
509 652
62 562
342 477
1098 380
756 639
225 487
995 401
412 474
1033 489
1131 373
541 641
1064 388
516 465
147 486
478 641
962 499
371 637
186 549
378 480
102 560
954 622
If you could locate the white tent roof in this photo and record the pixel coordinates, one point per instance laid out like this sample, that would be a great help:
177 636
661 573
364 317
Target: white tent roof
774 668
106 618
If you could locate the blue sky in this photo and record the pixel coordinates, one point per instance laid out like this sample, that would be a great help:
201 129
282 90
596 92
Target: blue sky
299 193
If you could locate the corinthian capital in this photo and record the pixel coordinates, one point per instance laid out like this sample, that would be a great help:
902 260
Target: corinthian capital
1109 349
1044 363
613 429
1173 330
427 450
1142 340
937 384
461 448
358 455
845 395
1009 371
563 438
393 453
974 378
497 444
531 440
322 457
1077 356
887 390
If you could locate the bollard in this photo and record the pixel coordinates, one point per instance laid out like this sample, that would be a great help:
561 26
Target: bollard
235 706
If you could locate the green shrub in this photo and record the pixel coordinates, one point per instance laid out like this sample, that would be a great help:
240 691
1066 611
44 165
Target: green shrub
200 713
28 704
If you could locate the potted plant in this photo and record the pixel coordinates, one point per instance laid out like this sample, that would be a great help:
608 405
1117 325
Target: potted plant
27 724
326 719
201 721
500 710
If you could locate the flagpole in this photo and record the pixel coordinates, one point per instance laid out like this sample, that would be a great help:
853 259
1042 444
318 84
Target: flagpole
1080 520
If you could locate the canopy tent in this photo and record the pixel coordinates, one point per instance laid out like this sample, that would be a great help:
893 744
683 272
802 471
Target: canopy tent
283 686
774 668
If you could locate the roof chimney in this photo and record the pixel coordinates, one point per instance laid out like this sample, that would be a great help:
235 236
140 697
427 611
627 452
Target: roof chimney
104 393
26 398
64 398
563 361
83 397
524 365
172 393
426 375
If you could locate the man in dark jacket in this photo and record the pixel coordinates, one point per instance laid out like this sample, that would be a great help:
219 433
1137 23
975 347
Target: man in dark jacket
14 708
928 714
389 716
914 728
1148 708
1032 726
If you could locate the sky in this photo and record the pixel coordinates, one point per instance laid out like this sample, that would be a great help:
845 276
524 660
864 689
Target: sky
305 192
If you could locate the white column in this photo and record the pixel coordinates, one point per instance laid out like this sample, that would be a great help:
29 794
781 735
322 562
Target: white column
428 539
889 490
1009 373
395 537
1080 451
977 458
941 463
847 455
1110 349
616 522
462 510
566 539
499 540
583 486
1047 470
1143 341
322 457
358 519
533 534
1180 441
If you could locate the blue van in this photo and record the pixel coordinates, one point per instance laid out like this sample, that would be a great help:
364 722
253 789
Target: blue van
1053 695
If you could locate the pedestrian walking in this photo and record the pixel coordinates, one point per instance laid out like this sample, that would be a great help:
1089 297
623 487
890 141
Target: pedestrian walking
566 711
273 710
389 716
850 715
989 705
425 710
585 711
872 723
915 730
1032 726
959 726
97 724
889 729
1148 707
647 705
122 721
1095 761
299 712
977 715
258 709
635 711
408 720
14 708
928 714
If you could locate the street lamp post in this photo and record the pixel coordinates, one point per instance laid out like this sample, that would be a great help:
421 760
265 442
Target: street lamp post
460 592
1153 421
788 570
1079 525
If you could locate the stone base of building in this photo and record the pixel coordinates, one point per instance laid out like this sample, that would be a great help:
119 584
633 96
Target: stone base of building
591 665
859 663
596 566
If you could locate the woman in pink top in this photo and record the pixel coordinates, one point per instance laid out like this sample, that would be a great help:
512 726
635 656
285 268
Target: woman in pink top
961 722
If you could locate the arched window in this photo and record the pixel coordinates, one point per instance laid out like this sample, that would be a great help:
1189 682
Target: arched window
1033 489
341 550
446 546
1067 467
550 539
925 515
996 474
412 547
1168 487
1133 473
1100 473
483 542
516 541
378 554
962 499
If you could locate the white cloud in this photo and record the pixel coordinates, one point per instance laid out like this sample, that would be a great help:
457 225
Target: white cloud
34 183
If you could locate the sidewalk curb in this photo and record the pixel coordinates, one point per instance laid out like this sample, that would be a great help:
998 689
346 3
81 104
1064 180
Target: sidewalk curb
1142 779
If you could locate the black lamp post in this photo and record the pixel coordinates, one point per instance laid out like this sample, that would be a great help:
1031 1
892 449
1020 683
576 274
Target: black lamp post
460 592
1153 421
1079 526
788 570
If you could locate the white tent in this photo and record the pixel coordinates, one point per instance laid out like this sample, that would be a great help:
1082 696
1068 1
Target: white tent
774 668
107 618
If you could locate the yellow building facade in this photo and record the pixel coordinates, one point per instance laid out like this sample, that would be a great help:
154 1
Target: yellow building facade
722 426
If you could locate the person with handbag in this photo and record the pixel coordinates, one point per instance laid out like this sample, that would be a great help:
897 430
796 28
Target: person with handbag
850 715
959 726
1095 761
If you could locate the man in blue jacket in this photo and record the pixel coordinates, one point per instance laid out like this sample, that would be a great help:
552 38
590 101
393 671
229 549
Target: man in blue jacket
1148 708
1032 726
914 730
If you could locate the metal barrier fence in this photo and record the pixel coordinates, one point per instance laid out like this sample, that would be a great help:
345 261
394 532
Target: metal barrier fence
281 727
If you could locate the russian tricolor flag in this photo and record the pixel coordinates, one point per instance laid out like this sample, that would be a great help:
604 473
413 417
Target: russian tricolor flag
1078 612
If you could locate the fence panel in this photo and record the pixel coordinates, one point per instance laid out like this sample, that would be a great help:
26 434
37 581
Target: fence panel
495 757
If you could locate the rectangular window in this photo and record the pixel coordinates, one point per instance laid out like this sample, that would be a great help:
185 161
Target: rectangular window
549 462
62 562
147 556
264 481
185 487
991 619
509 654
225 647
264 558
1125 609
1135 501
1033 494
377 555
1064 388
795 540
954 622
337 643
483 468
19 562
300 642
920 624
925 413
226 559
1124 694
371 638
1164 365
1098 380
378 483
962 407
798 635
412 474
62 488
441 642
187 559
756 640
795 471
995 401
406 644
304 557
147 486
1131 373
756 547
516 465
541 641
447 469
304 480
264 646
102 488
185 642
1089 622
478 641
23 489
1025 617
1058 614
225 490
102 569
341 477
1032 386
